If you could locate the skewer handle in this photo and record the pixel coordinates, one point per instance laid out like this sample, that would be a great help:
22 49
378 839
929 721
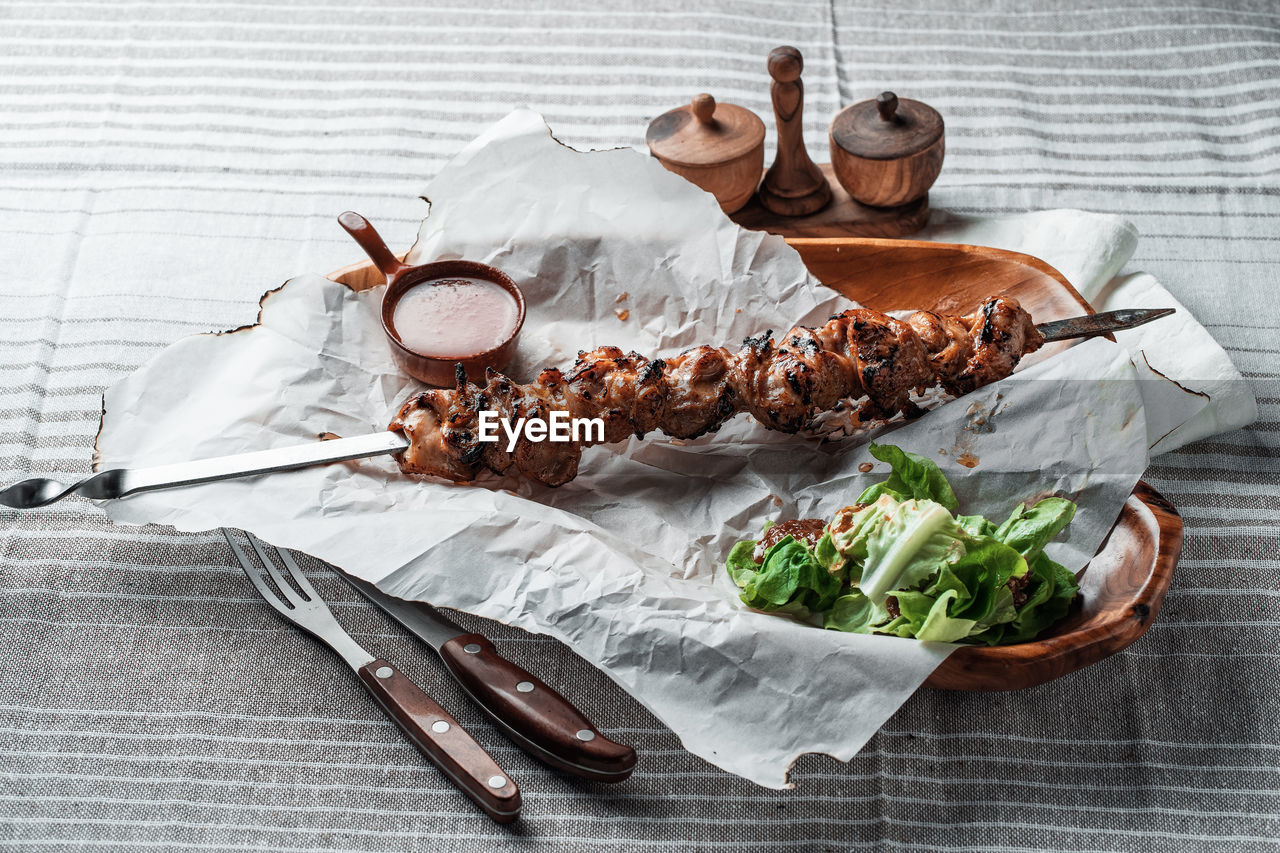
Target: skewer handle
131 480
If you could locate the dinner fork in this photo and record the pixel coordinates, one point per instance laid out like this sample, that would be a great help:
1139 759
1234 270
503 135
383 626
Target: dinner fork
420 717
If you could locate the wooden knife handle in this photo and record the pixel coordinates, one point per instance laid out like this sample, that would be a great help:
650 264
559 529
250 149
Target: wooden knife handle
442 740
538 718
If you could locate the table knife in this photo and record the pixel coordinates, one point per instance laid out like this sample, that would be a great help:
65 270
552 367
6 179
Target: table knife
537 718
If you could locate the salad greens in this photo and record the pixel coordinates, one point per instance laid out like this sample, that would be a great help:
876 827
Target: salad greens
899 562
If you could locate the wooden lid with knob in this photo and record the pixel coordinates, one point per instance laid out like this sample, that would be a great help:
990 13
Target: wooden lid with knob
887 127
704 133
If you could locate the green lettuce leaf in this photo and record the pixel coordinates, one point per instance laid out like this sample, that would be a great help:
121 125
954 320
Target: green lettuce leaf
910 541
1055 589
828 556
1029 530
851 542
985 571
854 613
949 577
963 596
741 563
789 575
975 525
913 476
926 617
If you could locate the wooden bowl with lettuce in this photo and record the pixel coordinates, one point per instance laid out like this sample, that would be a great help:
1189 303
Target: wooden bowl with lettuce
901 561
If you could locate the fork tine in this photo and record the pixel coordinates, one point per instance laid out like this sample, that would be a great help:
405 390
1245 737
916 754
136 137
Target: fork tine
295 571
235 549
288 591
255 577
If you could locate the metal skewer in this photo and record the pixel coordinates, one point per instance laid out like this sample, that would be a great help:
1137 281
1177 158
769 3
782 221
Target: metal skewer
119 482
1092 325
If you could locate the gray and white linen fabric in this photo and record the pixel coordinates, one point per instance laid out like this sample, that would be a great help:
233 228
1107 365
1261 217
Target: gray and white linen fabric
162 164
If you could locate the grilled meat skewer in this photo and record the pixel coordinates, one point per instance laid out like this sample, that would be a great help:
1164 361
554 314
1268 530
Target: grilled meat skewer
782 383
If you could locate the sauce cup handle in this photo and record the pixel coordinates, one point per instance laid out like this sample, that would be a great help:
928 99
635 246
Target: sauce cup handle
373 244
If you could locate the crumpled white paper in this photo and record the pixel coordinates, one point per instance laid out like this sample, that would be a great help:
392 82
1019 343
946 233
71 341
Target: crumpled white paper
1090 249
622 563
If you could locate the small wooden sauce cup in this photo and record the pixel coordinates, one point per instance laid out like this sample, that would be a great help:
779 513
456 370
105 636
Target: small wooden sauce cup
435 369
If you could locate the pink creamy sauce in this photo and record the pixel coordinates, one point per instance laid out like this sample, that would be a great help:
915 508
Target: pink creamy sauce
454 317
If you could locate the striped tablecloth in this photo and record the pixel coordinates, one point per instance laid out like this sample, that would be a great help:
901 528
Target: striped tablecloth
164 163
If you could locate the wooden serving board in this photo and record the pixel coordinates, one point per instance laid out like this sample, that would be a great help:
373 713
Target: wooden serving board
842 216
1124 585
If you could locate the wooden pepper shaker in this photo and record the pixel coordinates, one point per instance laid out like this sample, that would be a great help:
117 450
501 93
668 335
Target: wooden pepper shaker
794 185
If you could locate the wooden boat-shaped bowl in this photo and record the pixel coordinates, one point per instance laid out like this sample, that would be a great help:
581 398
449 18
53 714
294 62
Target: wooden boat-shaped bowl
1124 585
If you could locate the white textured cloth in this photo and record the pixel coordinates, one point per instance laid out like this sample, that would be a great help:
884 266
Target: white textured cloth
163 164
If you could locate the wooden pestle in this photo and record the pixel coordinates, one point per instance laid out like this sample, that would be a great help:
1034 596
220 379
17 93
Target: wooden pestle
794 185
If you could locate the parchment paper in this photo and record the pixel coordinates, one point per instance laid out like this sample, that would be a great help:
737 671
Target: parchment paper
1091 249
622 563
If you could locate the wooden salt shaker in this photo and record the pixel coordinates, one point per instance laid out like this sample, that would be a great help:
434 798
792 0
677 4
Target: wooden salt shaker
794 185
719 147
888 151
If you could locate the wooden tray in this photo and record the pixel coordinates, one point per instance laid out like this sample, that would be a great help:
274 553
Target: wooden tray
842 217
1138 557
